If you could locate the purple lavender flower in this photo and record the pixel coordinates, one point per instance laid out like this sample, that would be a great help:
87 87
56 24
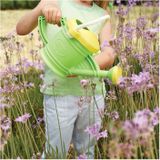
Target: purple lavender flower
114 115
154 17
93 130
105 44
3 105
5 124
28 84
2 102
102 134
153 30
128 31
148 3
132 2
23 118
155 117
118 1
137 83
6 102
111 95
116 43
9 88
126 150
150 34
142 125
26 64
124 82
155 120
11 33
82 156
32 52
31 35
36 155
152 54
9 71
140 26
122 12
157 110
131 129
40 120
41 76
141 22
140 82
141 119
19 46
84 83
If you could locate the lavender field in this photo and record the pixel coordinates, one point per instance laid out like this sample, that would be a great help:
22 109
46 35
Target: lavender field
130 128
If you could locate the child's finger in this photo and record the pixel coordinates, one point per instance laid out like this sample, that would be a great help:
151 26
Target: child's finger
58 17
45 13
54 17
56 20
50 13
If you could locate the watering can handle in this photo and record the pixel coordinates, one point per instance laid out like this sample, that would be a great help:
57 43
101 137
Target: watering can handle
92 22
63 21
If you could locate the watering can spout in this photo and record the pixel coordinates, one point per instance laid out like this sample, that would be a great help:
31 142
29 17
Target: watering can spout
114 74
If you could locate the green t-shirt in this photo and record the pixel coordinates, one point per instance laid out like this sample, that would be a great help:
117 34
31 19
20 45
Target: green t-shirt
59 86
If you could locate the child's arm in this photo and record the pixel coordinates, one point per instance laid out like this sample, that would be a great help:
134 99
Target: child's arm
48 8
106 58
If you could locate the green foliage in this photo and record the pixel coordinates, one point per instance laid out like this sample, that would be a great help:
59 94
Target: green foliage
31 4
7 4
26 134
18 4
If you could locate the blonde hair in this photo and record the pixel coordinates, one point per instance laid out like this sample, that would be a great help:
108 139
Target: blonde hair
102 3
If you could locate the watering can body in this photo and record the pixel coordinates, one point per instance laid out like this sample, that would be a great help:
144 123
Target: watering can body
69 52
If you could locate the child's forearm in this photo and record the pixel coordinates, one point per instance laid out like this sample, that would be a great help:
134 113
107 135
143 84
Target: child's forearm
106 58
28 22
48 8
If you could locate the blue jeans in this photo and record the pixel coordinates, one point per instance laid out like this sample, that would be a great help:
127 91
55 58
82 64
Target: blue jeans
66 118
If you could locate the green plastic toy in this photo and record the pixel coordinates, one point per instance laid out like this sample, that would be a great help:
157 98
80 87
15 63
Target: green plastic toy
70 51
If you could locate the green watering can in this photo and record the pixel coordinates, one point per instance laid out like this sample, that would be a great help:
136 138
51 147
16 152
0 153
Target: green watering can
70 51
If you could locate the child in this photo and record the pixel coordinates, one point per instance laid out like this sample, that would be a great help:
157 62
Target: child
68 106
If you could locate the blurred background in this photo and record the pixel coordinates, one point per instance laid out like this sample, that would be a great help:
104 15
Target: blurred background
28 4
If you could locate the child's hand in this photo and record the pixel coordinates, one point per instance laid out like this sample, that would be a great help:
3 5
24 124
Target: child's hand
48 8
51 11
